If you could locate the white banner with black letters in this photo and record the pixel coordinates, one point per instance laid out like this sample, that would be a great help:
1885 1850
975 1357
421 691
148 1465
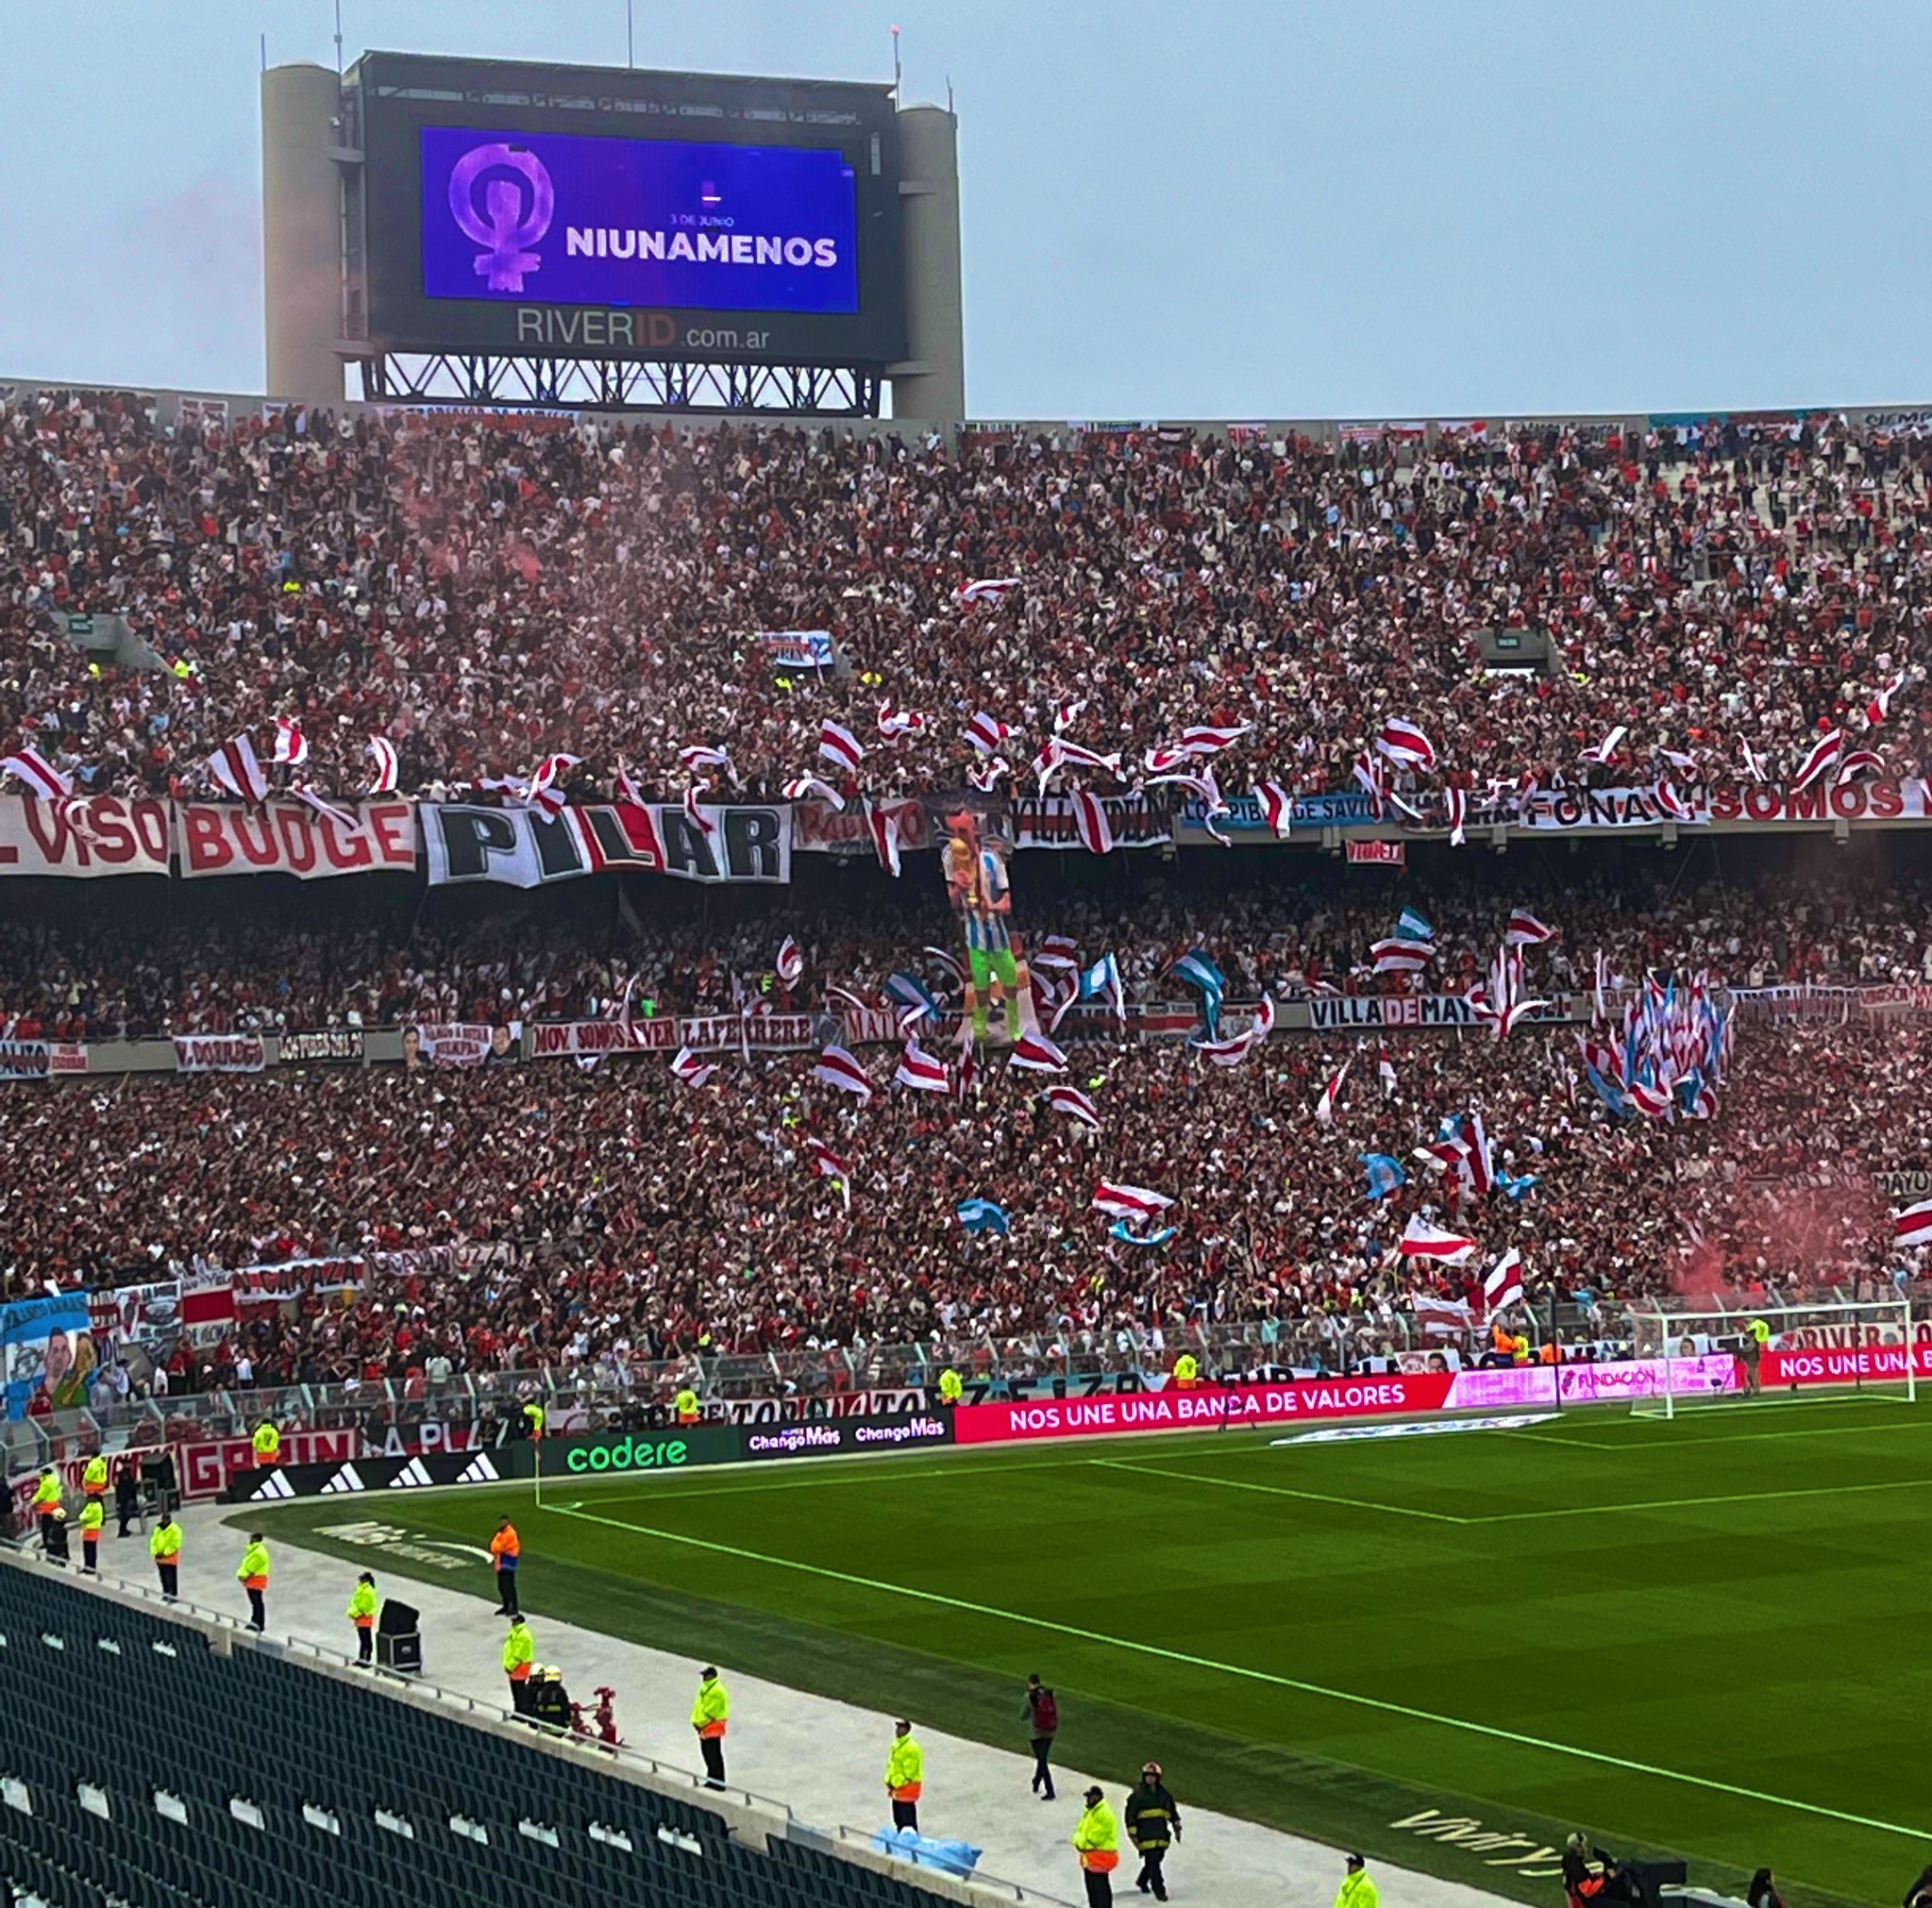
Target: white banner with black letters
523 849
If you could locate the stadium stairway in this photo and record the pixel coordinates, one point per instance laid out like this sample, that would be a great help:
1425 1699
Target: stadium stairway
150 1759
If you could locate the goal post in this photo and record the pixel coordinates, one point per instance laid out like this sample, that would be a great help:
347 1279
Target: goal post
1690 1359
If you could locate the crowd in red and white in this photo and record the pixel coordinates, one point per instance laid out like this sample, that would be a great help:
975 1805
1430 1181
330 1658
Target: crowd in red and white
438 603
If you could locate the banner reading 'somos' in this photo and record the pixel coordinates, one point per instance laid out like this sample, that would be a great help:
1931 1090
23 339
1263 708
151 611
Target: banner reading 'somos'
524 848
291 838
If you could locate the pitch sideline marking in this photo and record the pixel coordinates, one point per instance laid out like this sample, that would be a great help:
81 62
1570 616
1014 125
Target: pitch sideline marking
1280 1491
1237 1669
1619 1445
1699 1504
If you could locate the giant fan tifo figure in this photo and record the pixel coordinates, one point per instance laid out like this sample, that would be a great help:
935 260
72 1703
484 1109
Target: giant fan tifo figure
976 880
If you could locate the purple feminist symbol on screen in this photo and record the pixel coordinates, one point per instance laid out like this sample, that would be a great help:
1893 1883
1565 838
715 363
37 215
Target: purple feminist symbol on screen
504 223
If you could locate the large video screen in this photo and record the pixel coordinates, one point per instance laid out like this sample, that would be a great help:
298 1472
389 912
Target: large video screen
637 221
573 211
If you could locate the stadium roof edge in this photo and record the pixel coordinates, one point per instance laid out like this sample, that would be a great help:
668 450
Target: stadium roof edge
169 404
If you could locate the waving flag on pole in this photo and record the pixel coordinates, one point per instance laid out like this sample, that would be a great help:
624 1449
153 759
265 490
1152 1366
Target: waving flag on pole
987 590
309 799
1413 926
894 722
1067 715
1753 763
1074 1104
1401 956
1402 741
837 744
1912 1226
1421 1240
1385 1174
918 1070
1058 950
1199 971
836 1067
1455 808
1331 1094
1120 1201
693 813
1879 708
382 751
27 764
986 733
1503 1282
828 1165
791 962
987 779
1102 982
884 827
1035 1053
911 994
1674 804
1607 748
1091 825
807 788
1277 810
1525 930
1859 761
1824 756
1233 1052
687 1067
1123 1231
233 766
291 744
702 756
982 1215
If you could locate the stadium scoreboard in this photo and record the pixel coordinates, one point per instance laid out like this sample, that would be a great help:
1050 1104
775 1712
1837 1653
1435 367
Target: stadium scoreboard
596 212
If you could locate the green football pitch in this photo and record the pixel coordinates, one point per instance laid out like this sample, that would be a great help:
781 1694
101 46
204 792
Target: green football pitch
1704 1637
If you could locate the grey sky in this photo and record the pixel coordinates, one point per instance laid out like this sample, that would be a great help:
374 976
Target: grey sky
1171 210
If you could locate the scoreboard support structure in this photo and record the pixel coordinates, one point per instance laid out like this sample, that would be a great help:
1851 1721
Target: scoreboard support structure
451 231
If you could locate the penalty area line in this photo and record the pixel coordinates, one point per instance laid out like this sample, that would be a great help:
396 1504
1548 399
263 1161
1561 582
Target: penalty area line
1700 1503
1277 1491
1236 1669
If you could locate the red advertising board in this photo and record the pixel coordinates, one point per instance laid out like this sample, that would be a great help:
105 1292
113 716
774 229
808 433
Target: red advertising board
204 1470
1235 1404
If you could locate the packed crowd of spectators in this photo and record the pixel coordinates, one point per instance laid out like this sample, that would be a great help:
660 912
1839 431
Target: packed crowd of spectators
484 594
621 1215
249 971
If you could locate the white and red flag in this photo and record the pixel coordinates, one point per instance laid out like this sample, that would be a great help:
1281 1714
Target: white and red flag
1525 930
29 765
837 744
1502 1282
986 733
918 1070
1608 747
791 962
883 824
702 756
987 590
1395 956
1058 950
233 766
1879 708
1331 1094
894 722
828 1165
690 1069
382 751
1276 808
1035 1053
1091 825
836 1067
1421 1240
1402 741
1123 1201
693 813
807 788
1455 808
1824 756
1074 1104
291 744
1912 1226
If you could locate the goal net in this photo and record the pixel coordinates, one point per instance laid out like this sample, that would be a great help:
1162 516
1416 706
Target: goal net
1694 1359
